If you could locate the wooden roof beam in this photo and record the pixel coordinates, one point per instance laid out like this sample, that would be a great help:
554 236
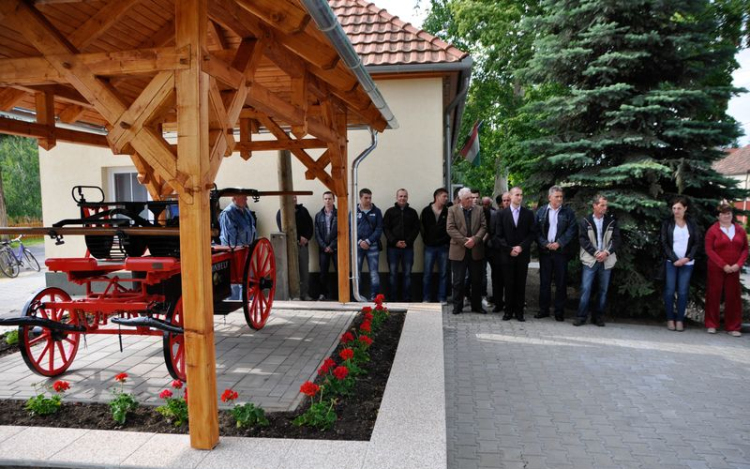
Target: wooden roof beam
274 145
246 24
33 130
9 97
283 15
301 155
98 24
264 100
71 114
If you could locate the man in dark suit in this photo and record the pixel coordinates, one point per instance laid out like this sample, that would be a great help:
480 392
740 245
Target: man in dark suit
514 232
466 227
557 229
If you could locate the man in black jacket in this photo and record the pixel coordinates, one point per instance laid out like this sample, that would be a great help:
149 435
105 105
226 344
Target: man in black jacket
401 228
493 254
557 229
304 234
436 241
514 232
326 227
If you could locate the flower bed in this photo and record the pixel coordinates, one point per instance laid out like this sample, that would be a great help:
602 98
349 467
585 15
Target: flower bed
356 414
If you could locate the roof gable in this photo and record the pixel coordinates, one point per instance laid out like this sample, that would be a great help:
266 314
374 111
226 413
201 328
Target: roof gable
383 39
737 161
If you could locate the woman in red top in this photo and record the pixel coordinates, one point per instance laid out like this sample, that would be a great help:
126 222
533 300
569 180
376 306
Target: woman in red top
726 247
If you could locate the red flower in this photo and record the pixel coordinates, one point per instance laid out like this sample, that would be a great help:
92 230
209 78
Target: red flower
365 340
379 299
368 317
177 384
379 308
367 309
346 354
328 363
340 372
309 389
121 377
346 337
165 394
60 386
365 326
228 395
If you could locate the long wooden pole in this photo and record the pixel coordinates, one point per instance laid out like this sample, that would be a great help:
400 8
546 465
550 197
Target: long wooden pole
288 222
340 172
192 85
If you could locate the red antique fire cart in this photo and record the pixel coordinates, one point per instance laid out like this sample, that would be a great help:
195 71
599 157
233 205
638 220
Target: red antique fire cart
129 293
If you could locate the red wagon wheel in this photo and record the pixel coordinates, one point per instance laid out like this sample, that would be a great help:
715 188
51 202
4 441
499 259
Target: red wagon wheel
174 344
48 352
259 283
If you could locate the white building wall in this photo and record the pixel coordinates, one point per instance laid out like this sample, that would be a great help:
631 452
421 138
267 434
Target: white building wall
409 157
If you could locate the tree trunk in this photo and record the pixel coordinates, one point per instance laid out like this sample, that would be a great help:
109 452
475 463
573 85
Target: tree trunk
289 223
3 208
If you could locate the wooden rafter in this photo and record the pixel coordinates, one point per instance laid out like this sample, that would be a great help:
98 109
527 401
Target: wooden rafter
274 145
301 154
71 113
33 130
98 24
287 17
9 97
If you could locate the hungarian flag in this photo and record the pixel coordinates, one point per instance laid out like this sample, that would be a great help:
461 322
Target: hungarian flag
470 150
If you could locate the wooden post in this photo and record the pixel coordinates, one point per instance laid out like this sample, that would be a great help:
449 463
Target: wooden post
340 174
288 222
195 237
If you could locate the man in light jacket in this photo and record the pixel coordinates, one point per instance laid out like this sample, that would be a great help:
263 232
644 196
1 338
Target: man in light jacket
599 237
466 227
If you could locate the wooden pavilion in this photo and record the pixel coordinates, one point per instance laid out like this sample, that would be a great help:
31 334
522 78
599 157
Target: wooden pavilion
135 69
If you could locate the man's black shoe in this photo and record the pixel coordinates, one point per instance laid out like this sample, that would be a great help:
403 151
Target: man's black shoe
579 322
599 322
559 318
481 311
520 318
541 315
507 317
455 311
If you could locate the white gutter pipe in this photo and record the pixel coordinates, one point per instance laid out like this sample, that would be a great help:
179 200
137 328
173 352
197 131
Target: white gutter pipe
353 212
329 25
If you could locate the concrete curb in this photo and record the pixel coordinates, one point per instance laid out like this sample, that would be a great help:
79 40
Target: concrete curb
410 432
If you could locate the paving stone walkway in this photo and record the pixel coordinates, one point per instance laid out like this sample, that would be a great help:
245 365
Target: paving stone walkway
266 366
543 394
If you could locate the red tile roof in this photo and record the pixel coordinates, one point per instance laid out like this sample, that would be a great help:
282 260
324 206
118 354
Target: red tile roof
737 161
383 39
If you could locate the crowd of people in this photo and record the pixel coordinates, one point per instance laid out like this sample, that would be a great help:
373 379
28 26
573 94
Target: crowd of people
464 237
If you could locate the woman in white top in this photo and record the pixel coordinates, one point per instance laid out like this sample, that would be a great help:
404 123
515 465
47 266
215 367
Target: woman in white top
680 239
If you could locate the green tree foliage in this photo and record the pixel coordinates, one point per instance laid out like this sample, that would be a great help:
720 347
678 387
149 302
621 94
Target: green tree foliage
19 163
641 116
493 32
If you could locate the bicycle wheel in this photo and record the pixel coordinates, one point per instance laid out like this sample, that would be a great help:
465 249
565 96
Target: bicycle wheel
8 264
31 260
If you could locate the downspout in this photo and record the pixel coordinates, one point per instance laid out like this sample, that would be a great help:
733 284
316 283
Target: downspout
353 212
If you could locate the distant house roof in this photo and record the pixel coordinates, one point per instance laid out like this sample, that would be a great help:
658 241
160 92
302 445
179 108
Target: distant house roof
383 39
737 161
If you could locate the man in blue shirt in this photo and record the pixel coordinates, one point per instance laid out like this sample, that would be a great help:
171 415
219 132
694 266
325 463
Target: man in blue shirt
237 225
369 231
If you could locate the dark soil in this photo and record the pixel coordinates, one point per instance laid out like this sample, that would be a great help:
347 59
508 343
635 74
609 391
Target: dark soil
6 349
356 413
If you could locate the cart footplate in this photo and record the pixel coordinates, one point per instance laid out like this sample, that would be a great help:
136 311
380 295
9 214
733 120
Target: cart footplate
222 308
148 322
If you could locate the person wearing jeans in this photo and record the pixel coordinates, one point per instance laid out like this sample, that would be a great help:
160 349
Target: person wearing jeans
433 222
369 231
401 228
680 239
599 237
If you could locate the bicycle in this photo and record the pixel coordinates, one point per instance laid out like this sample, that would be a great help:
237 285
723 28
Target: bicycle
11 259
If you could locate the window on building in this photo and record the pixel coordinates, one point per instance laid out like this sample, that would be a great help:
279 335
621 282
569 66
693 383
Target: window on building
126 188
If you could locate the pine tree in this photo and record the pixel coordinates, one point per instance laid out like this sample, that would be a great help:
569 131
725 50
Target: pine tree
642 119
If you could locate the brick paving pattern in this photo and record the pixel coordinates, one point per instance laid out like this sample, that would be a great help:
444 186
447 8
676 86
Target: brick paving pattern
266 366
549 395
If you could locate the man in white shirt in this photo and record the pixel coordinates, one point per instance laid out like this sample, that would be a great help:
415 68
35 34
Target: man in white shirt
557 229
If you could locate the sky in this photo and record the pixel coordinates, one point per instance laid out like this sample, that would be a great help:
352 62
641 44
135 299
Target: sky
739 107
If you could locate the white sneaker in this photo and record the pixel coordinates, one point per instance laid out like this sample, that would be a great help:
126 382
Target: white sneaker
711 330
735 333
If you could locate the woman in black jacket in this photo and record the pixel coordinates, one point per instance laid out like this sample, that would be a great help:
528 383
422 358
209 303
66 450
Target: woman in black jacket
680 240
